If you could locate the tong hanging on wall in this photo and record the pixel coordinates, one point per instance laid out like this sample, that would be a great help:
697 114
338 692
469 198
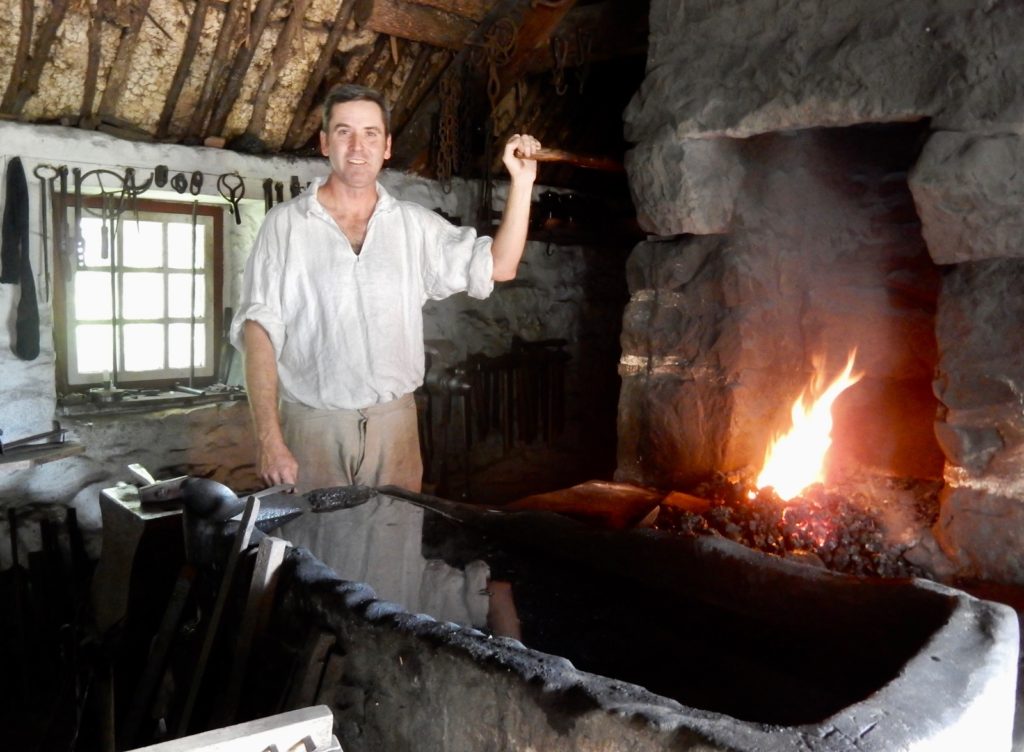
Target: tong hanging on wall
232 189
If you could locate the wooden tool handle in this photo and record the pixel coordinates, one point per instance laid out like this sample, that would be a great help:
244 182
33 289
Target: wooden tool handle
579 160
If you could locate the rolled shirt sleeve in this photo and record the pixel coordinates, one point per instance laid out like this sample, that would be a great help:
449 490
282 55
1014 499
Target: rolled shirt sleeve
456 260
261 294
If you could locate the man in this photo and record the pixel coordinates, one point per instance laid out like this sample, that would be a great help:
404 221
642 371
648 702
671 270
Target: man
331 312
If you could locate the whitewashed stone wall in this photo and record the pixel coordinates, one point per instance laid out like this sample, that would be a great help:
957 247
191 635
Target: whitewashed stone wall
546 301
720 76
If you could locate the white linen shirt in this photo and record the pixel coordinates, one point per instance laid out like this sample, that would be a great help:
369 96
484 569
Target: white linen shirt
347 328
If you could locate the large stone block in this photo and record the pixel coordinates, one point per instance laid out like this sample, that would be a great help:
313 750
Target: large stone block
687 186
971 522
669 264
980 333
671 428
741 67
969 189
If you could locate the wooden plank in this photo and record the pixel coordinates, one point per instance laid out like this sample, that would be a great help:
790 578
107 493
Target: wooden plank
285 731
610 29
92 65
20 56
282 52
28 457
122 65
188 53
269 557
240 66
421 81
472 9
239 545
218 63
535 31
306 681
40 53
419 23
296 129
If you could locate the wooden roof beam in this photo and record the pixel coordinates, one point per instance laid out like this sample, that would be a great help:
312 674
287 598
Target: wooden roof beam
612 27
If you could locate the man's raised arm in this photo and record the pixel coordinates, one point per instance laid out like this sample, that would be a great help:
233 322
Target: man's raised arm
510 239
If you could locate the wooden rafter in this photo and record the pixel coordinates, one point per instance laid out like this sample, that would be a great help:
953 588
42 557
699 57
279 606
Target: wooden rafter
282 51
122 63
240 66
420 23
20 57
473 9
213 81
33 71
92 65
296 129
192 39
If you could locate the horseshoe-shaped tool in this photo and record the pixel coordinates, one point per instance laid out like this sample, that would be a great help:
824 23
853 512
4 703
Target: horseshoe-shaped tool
179 182
232 189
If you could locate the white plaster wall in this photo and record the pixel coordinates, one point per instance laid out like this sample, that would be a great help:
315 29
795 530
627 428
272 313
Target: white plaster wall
544 302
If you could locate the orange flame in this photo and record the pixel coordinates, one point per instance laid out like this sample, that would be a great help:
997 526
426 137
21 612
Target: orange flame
796 459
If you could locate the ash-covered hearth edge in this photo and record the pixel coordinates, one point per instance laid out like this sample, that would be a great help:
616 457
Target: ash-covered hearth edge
407 682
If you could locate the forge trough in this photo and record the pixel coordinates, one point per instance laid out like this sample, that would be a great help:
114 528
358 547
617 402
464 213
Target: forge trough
631 640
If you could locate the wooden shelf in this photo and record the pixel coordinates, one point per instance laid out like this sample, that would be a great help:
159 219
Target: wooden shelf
22 458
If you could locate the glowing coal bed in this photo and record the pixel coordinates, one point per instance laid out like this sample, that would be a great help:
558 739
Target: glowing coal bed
874 528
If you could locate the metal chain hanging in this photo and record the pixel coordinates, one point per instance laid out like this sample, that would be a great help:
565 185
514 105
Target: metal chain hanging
498 47
448 128
560 54
584 46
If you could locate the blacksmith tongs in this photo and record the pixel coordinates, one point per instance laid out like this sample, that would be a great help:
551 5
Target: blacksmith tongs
49 438
232 189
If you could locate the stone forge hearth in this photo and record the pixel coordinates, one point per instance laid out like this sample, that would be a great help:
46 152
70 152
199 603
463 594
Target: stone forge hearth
630 640
817 178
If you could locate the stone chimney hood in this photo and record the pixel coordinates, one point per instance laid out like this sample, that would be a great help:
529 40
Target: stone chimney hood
817 177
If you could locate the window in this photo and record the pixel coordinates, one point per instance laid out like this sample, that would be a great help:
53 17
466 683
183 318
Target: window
140 303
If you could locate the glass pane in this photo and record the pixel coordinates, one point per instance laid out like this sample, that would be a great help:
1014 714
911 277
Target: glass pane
143 295
179 291
92 296
179 245
92 238
142 243
94 348
179 336
143 347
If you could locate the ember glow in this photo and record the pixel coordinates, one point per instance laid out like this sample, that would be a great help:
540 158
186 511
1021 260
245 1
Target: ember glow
796 459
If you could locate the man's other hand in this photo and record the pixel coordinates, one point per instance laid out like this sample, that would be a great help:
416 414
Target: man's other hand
277 466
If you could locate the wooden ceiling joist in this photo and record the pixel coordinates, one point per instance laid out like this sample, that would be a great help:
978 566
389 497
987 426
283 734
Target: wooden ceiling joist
28 72
214 77
475 10
188 52
122 63
420 23
20 56
297 135
240 66
282 51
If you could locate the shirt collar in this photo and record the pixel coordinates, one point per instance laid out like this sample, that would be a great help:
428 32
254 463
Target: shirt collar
385 201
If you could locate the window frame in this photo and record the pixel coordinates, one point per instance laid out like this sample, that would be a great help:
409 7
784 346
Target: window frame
65 267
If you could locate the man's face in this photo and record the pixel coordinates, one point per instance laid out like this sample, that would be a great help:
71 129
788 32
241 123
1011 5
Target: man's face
355 142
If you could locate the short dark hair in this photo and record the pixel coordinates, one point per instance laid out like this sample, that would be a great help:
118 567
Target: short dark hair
354 93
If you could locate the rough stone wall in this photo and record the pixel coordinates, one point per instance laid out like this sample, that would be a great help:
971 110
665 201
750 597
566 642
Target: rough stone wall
824 256
720 74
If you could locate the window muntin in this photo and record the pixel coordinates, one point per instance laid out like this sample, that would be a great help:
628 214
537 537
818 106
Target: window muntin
135 288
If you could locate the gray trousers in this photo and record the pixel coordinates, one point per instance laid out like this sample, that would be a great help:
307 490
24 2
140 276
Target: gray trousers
375 446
